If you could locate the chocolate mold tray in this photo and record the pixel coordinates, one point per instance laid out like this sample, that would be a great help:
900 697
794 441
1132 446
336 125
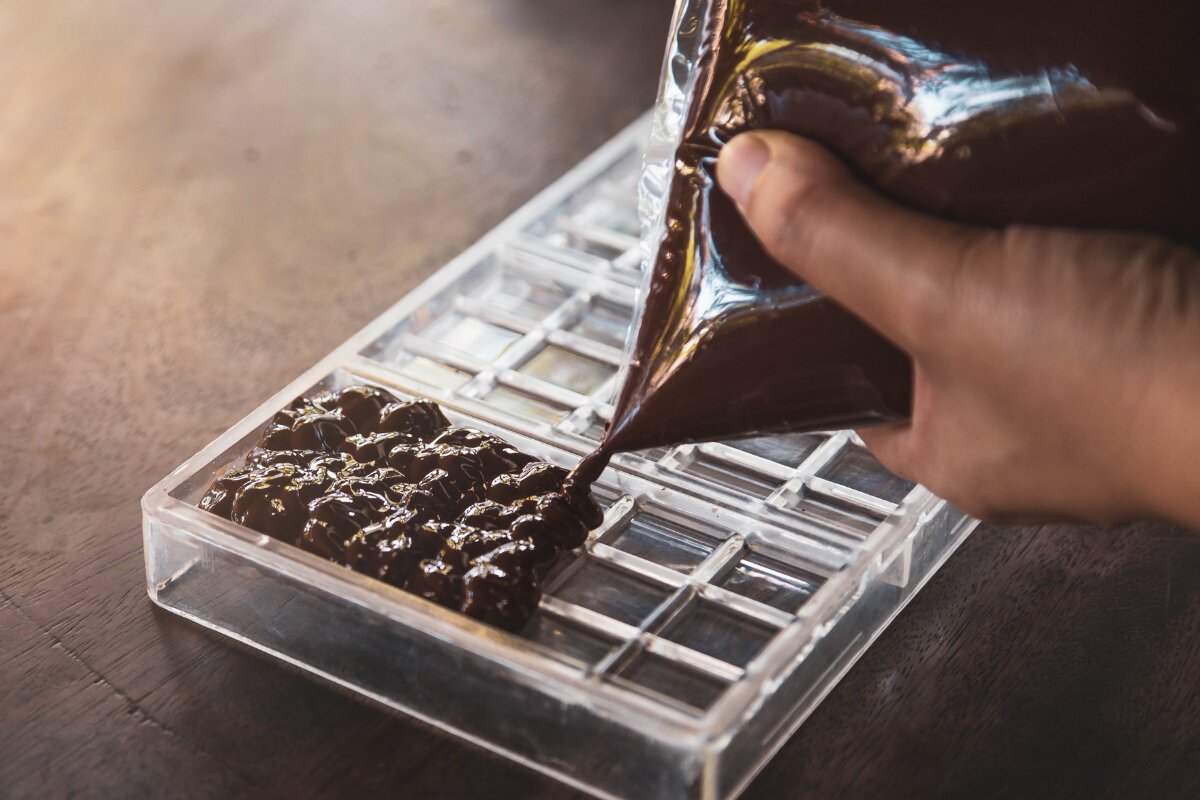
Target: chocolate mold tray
728 589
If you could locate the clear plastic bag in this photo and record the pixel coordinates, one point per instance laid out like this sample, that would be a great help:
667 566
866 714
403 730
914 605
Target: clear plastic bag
1072 113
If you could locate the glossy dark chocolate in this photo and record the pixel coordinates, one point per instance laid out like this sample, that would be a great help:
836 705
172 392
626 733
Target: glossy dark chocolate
391 489
1063 113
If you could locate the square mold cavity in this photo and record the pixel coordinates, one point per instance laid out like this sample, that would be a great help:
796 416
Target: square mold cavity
772 582
611 591
727 469
523 405
719 632
672 681
600 218
785 449
428 372
677 545
470 335
630 681
605 321
855 468
567 641
570 370
840 513
524 295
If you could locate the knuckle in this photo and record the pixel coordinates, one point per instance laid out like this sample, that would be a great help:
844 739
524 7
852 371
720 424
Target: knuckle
939 292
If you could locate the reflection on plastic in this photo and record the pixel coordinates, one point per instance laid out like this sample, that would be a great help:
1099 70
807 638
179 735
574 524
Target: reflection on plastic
991 113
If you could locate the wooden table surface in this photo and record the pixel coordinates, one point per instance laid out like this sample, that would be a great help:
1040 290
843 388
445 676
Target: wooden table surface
200 199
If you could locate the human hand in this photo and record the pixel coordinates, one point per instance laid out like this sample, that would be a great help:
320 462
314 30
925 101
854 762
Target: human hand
1057 372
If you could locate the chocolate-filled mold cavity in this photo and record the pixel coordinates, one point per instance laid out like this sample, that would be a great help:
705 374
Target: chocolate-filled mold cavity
392 489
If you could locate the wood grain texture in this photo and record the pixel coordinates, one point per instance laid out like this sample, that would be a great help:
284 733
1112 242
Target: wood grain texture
200 199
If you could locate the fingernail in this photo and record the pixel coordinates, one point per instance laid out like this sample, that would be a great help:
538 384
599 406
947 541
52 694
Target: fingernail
741 161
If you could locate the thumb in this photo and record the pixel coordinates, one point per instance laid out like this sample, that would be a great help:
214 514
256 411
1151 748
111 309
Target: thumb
888 265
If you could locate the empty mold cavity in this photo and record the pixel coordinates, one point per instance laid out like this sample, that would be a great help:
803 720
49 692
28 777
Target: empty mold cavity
525 298
567 369
434 373
605 321
612 591
661 677
856 468
786 449
662 541
729 474
470 335
770 581
523 405
566 641
838 512
717 631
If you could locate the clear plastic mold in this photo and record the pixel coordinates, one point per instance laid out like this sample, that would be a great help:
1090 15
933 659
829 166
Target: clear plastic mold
729 588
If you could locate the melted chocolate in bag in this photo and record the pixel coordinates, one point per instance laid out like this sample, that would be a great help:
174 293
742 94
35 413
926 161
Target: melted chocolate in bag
1064 113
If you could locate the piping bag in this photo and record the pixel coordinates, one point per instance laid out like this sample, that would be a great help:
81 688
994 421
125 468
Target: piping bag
1073 112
